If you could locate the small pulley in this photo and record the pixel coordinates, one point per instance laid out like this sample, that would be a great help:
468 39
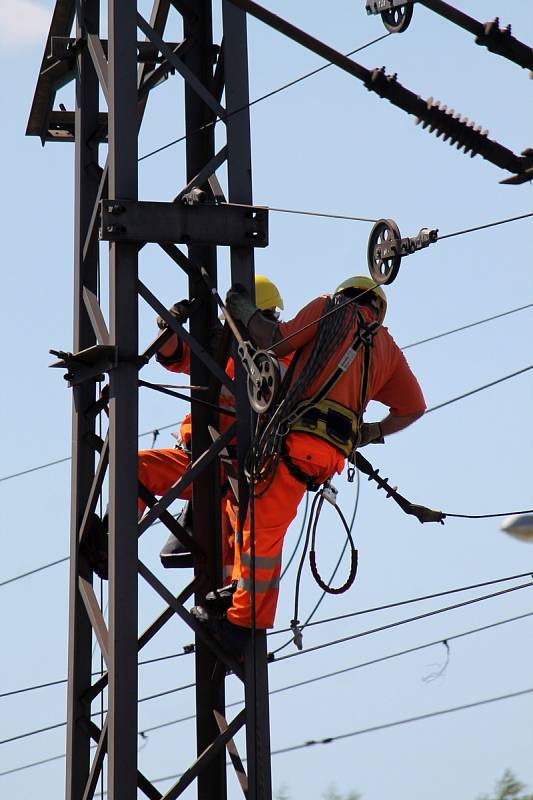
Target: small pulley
386 248
263 381
395 14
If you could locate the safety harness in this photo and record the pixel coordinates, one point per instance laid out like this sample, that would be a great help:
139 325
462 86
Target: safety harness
327 419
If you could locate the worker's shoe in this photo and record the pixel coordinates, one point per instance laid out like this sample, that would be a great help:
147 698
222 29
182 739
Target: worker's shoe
230 637
218 601
174 554
95 544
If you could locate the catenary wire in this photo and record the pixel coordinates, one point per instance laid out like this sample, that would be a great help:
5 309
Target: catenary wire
384 726
400 603
69 458
406 621
359 635
33 571
93 674
360 612
466 327
357 666
487 225
405 347
428 411
479 389
259 99
307 681
396 723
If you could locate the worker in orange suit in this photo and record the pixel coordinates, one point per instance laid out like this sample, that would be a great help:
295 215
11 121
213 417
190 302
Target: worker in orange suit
159 469
343 358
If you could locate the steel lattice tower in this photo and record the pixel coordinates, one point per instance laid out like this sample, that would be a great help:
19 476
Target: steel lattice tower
125 68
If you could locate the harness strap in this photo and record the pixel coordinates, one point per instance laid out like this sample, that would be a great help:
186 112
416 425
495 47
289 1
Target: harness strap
363 338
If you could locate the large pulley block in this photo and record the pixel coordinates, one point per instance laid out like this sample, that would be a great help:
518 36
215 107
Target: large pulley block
386 248
395 14
263 380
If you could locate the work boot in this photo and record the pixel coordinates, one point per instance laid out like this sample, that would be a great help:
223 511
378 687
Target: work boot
174 554
230 637
94 545
218 601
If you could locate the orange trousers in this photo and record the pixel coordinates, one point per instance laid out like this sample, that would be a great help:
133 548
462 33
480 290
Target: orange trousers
273 513
159 470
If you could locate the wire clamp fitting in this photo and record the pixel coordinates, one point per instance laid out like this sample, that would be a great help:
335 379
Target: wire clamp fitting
386 248
297 634
329 493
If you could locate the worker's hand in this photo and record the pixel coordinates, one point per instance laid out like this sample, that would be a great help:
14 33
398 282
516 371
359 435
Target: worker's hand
180 311
370 433
239 304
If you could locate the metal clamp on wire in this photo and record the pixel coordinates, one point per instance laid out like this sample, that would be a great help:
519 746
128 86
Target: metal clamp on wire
297 634
386 248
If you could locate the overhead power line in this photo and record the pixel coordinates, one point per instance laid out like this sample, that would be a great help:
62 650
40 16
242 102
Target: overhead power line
359 635
479 389
69 458
466 327
384 726
360 665
399 722
325 676
260 99
420 599
482 227
387 607
33 571
406 621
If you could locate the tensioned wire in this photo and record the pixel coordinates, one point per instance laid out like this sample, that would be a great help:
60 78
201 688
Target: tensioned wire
359 612
413 344
259 99
309 743
428 411
359 635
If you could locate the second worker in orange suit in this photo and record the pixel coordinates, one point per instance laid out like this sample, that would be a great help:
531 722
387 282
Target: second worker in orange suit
343 358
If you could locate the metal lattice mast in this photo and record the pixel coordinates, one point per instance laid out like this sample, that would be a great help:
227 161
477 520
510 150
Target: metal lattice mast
107 208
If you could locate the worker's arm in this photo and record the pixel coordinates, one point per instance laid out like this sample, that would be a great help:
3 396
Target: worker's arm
172 354
393 423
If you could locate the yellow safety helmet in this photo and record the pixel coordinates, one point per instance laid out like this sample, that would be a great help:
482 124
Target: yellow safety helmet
364 283
267 294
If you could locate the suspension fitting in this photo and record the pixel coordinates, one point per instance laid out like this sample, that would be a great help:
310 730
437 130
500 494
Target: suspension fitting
386 248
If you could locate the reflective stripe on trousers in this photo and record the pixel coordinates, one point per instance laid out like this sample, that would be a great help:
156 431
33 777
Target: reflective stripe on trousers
273 513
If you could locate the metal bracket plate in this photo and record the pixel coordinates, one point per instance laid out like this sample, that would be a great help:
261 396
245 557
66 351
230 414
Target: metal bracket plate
236 226
87 364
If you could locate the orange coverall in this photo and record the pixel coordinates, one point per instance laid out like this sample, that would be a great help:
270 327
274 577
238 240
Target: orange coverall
391 382
159 469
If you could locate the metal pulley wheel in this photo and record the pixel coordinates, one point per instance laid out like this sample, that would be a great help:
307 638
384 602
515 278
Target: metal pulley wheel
263 388
397 20
384 266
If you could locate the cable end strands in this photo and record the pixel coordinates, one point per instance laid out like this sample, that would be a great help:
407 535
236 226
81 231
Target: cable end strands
386 248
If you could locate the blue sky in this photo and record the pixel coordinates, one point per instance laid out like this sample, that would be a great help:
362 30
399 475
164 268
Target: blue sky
325 144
